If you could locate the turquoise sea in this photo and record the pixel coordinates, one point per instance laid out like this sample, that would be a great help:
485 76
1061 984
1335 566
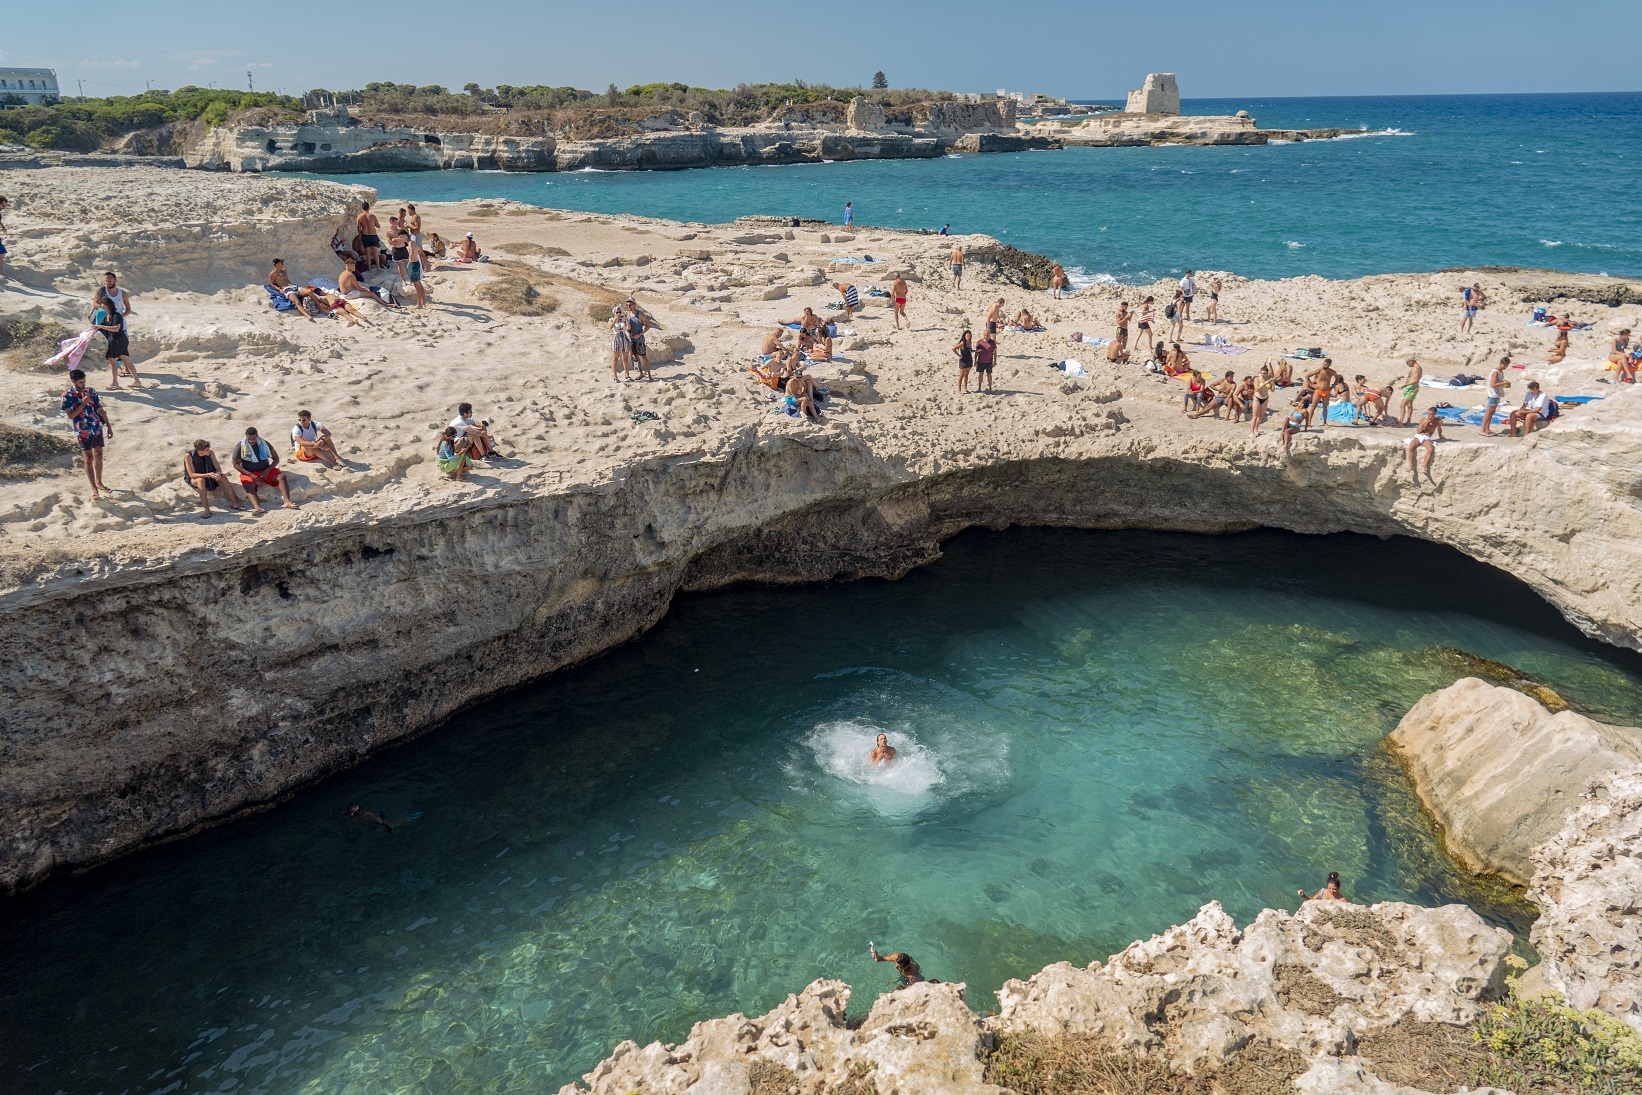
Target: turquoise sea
1434 182
1099 732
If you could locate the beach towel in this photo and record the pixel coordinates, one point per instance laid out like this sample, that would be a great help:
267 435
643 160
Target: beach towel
1587 327
1091 340
1343 412
1471 416
1219 348
72 349
1433 382
1578 400
279 300
323 283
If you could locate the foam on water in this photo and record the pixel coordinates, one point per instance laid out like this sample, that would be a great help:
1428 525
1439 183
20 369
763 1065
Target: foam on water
904 785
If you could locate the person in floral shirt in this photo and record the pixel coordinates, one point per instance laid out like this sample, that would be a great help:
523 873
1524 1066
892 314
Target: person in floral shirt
91 425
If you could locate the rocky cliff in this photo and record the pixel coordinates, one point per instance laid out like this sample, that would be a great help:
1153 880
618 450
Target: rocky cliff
802 136
1314 985
1133 129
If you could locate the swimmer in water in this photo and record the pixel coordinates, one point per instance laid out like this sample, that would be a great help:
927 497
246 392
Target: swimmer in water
371 817
904 965
1329 892
883 753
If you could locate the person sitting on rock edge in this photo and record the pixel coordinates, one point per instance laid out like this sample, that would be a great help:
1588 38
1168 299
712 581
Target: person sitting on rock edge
258 465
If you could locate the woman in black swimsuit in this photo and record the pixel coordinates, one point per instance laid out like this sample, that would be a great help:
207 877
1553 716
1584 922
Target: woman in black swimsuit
965 350
201 471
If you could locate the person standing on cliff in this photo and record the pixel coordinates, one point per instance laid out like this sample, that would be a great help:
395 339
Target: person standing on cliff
851 298
369 242
986 353
1057 280
898 292
849 215
957 266
1188 290
1411 389
85 410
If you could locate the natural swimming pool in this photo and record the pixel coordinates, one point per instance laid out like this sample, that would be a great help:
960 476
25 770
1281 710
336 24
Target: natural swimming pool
1101 731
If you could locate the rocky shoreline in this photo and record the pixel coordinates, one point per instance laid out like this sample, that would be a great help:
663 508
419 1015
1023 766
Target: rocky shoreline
423 596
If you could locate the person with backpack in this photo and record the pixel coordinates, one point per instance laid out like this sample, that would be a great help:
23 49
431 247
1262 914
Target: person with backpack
258 465
1175 313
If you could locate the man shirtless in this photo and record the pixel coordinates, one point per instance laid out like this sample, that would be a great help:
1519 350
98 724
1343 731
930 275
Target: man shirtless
809 321
898 292
296 294
347 284
802 389
1411 389
957 267
883 752
1321 381
369 242
771 343
994 320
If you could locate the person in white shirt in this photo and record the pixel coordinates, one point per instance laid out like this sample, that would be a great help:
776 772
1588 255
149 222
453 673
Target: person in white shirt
1188 290
478 433
312 441
1534 407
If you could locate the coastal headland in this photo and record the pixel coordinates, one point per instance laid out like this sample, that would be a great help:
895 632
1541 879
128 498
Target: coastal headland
393 597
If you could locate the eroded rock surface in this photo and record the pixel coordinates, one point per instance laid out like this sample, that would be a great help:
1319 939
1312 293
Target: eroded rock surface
1588 886
1501 773
1315 981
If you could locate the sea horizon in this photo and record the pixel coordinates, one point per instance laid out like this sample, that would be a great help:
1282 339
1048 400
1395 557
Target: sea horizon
1533 180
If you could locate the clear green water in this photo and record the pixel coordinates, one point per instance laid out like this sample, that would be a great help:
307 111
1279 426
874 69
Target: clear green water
1101 731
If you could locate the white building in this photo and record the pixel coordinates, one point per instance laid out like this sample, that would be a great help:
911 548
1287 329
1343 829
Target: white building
35 85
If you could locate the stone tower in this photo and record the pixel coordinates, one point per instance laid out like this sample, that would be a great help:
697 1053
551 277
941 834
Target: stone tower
1159 95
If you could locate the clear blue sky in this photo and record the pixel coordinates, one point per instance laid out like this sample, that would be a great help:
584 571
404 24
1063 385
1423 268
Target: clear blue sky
1075 48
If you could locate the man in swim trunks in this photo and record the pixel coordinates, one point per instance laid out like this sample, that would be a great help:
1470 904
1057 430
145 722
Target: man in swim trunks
1468 308
369 242
994 320
1411 389
1427 435
1188 290
1321 381
883 752
957 267
771 343
1057 279
296 294
899 292
851 299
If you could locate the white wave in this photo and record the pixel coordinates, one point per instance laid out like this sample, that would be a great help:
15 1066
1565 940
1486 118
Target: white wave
1293 245
591 171
1079 278
1551 243
1277 140
1374 133
841 749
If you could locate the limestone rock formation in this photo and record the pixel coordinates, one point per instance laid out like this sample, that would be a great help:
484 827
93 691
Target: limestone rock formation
921 1039
1315 982
1158 95
1588 886
1501 773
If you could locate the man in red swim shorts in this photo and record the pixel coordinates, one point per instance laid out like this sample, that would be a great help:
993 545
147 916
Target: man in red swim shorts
899 292
258 466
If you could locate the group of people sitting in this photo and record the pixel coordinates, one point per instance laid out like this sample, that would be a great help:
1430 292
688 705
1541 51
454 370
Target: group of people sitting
256 464
781 363
462 442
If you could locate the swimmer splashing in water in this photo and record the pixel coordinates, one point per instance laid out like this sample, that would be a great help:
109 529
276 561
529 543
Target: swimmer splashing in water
883 752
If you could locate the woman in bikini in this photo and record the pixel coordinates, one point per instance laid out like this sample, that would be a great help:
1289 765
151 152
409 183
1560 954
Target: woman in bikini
1261 402
1214 301
1148 315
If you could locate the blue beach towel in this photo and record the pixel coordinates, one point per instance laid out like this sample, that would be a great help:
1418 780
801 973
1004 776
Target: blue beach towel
1341 412
1578 400
279 300
1465 416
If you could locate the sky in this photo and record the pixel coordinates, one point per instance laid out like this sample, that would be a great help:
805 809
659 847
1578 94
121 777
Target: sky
1079 49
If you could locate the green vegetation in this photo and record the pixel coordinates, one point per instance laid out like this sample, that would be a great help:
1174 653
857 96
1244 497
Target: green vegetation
1540 1044
85 125
740 105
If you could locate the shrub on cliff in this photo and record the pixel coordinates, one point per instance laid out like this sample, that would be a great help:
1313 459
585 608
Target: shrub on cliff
83 125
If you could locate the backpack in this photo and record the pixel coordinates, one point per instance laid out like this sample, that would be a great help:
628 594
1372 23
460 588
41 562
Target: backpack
1168 311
